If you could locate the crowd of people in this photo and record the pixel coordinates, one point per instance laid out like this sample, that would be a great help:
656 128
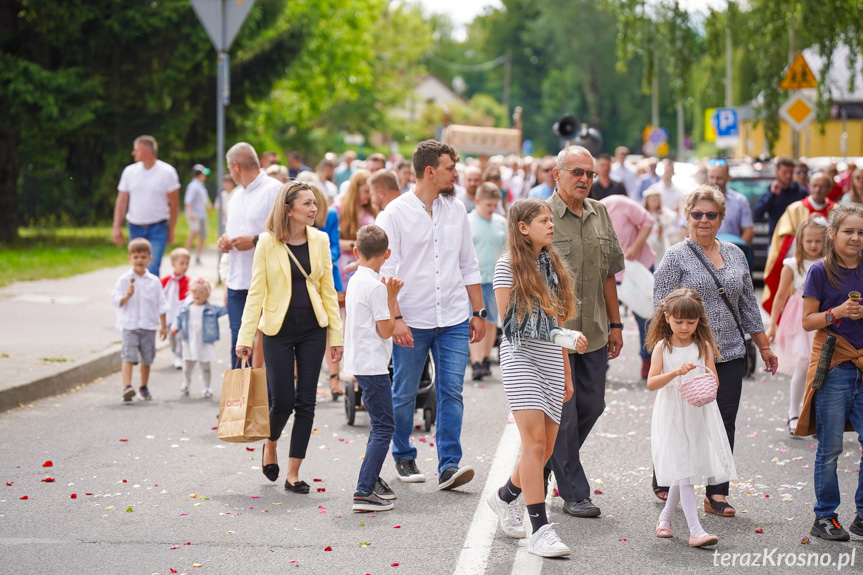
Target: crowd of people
385 262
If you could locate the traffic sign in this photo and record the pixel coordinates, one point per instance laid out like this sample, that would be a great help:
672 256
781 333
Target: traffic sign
655 141
727 128
798 75
710 125
798 111
211 13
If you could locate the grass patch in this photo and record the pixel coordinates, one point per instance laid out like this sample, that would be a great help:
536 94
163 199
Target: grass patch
49 253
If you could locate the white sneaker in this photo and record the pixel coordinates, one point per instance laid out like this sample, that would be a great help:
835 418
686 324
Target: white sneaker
208 393
184 389
511 521
178 362
546 543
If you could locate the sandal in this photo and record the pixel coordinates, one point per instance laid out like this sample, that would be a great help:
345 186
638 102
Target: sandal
792 425
336 391
660 492
298 487
720 508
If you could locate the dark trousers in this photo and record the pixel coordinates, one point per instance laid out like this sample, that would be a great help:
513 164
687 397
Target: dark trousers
378 399
728 400
236 303
303 340
576 420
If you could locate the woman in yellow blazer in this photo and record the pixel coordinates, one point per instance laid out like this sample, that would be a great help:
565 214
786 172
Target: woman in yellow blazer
295 307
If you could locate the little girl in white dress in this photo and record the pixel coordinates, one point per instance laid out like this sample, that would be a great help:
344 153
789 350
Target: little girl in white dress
688 443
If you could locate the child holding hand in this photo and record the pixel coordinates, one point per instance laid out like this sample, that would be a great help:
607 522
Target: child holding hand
688 443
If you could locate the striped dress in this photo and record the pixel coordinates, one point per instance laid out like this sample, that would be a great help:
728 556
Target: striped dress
533 375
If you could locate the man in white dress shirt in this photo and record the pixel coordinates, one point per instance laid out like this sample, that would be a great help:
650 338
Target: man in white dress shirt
247 212
149 188
433 253
620 173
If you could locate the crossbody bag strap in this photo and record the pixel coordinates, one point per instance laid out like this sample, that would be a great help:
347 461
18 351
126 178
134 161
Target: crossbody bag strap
719 288
296 261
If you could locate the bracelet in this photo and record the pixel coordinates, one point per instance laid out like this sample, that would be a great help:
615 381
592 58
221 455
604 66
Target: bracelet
398 317
763 348
615 326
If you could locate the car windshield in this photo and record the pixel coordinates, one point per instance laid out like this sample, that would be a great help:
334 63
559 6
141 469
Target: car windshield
751 188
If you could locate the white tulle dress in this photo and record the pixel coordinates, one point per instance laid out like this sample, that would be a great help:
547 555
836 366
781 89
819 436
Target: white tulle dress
688 443
793 343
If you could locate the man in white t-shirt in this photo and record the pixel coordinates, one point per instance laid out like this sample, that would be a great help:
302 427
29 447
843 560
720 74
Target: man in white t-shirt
672 197
247 212
621 173
148 197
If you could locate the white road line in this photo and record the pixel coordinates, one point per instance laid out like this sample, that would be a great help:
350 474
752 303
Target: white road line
474 554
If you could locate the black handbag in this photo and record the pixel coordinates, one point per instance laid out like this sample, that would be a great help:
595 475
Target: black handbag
749 355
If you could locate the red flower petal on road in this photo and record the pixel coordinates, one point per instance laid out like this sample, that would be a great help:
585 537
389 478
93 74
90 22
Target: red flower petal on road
321 489
759 530
172 570
88 494
48 463
394 565
74 496
397 527
125 481
214 428
196 565
250 449
48 480
187 543
624 539
124 440
317 479
9 483
328 548
597 492
25 497
175 547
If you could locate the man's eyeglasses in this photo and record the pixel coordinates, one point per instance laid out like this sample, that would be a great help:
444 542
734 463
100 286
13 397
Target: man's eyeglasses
717 162
698 215
799 172
545 169
578 173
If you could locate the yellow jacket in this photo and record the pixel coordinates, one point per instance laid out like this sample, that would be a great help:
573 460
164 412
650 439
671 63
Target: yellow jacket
270 291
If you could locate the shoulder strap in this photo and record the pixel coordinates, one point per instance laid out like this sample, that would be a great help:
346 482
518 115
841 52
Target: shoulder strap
296 261
719 288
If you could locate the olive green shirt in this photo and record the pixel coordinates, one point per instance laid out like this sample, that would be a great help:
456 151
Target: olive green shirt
591 248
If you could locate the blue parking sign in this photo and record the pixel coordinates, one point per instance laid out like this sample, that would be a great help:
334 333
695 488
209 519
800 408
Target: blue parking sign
725 121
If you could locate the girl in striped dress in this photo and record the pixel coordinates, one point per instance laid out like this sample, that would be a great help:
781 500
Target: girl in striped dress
534 295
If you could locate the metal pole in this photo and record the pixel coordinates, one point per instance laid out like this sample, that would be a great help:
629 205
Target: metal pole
220 136
728 58
681 136
507 80
654 97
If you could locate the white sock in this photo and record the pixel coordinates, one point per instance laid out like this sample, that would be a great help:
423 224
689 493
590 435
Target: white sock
670 503
798 387
690 510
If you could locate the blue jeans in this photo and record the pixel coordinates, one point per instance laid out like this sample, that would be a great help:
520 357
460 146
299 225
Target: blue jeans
236 303
840 400
378 399
642 334
158 235
449 348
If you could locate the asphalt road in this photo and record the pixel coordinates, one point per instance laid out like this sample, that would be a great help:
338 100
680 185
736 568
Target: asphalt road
147 488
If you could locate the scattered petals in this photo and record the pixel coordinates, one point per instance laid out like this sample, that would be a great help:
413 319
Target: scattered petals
804 541
317 480
48 463
256 496
597 492
321 489
214 428
48 480
25 497
129 509
124 440
397 527
394 565
759 530
328 548
175 547
624 539
250 449
125 481
88 494
196 565
172 570
193 495
187 543
556 492
9 483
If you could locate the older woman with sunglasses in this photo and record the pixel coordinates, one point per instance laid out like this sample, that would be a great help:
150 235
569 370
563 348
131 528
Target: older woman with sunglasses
733 311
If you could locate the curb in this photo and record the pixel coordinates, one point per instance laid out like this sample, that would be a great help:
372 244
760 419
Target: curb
103 364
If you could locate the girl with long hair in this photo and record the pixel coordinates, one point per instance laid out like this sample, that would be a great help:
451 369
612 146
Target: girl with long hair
534 296
355 211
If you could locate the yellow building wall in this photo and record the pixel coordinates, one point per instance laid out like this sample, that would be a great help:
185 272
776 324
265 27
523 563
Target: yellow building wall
812 142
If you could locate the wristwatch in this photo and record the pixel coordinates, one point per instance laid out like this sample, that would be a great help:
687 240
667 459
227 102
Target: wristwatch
482 313
255 241
828 315
615 326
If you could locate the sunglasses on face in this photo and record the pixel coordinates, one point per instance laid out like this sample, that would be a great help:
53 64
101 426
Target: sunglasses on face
698 215
799 172
578 173
717 162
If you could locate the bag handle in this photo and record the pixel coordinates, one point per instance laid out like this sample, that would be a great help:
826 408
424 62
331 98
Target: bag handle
706 369
296 261
719 288
241 361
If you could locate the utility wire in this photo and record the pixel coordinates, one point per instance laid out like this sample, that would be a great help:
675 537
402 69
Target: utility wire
499 61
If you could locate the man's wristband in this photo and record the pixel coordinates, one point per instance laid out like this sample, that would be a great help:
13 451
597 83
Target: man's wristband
764 348
615 326
398 317
255 240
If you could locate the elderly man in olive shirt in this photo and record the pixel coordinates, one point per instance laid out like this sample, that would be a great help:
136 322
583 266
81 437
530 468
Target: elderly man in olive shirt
585 238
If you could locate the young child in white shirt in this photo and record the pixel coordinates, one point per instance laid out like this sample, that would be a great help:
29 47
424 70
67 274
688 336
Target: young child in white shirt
176 288
141 309
198 321
369 323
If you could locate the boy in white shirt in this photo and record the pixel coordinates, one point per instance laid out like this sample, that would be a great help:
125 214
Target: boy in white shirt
370 320
141 308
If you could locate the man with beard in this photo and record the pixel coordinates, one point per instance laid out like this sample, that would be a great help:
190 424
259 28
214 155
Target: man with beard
432 252
584 237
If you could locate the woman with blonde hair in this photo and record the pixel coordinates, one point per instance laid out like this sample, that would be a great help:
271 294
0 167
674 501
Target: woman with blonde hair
355 211
292 300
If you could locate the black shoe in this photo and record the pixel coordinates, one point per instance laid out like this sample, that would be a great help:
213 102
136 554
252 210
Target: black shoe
857 527
383 490
829 529
546 476
271 471
145 393
409 472
583 508
453 477
298 487
478 373
370 502
486 366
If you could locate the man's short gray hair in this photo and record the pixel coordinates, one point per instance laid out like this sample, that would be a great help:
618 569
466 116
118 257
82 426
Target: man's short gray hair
243 154
561 157
148 141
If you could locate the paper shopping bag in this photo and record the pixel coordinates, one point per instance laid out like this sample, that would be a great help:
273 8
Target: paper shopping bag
244 413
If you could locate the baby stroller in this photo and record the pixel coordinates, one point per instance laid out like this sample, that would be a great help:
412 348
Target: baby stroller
426 396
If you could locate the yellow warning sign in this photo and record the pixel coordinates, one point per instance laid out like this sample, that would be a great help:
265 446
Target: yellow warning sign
798 75
799 111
